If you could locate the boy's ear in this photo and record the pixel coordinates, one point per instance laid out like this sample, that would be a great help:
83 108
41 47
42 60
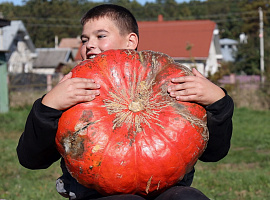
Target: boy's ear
132 41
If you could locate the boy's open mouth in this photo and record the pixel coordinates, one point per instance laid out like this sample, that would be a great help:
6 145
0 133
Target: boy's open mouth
91 56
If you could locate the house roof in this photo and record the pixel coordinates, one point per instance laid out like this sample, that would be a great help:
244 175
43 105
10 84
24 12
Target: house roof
78 54
74 44
173 37
228 41
4 22
70 43
51 57
16 30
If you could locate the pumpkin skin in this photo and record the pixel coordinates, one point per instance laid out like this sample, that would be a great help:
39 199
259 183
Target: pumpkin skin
132 138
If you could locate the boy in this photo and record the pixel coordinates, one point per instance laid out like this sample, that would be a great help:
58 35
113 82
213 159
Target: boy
113 27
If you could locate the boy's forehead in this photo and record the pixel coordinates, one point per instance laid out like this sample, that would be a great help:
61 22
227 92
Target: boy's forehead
100 22
101 19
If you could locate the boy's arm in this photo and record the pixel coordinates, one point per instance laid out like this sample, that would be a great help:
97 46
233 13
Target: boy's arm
36 148
195 88
219 107
71 91
219 123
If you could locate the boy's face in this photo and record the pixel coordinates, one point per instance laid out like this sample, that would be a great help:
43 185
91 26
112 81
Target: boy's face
102 34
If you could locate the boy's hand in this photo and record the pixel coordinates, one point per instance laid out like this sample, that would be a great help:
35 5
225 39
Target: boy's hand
70 91
195 89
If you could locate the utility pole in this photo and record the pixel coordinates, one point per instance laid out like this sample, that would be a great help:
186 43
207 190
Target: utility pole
261 45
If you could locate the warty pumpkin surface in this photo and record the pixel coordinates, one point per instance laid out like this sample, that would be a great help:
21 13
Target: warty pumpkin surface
133 138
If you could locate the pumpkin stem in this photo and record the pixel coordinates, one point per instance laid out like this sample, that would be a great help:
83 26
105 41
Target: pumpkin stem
136 106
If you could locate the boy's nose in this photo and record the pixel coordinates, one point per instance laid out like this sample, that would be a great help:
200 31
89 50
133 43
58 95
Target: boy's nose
90 45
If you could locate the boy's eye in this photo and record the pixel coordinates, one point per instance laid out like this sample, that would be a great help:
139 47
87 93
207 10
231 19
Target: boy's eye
101 36
84 41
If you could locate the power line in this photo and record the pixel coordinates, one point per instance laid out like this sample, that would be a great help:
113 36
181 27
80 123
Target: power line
70 19
189 18
78 19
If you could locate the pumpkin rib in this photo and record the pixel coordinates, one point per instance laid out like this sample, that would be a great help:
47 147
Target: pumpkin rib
97 178
120 89
169 145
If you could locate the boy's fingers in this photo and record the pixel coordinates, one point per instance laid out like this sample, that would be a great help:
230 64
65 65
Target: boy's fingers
186 98
85 84
182 79
85 80
88 86
178 79
84 98
181 86
184 92
82 93
89 92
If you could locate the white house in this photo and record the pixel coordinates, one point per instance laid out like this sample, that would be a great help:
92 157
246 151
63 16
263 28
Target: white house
192 42
20 50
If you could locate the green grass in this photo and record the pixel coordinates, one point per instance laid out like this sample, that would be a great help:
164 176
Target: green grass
17 182
245 172
243 175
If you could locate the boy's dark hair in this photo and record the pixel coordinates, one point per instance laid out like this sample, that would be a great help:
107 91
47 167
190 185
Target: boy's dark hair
123 18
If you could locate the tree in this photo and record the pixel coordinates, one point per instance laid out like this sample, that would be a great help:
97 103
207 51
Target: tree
247 59
152 10
44 19
226 15
248 55
184 12
198 9
170 9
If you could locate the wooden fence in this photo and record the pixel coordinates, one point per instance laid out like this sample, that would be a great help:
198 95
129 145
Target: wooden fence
24 89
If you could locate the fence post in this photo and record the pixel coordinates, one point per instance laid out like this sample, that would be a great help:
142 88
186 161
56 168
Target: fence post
49 82
4 104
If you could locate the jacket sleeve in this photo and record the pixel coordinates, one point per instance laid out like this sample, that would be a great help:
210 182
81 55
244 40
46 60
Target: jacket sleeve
219 123
36 148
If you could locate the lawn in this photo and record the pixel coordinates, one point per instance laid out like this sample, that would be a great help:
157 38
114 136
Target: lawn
243 175
245 172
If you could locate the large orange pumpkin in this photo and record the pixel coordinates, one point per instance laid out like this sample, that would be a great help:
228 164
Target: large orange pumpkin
133 138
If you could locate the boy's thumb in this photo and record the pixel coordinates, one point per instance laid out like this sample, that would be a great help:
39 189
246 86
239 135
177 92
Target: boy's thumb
197 73
67 76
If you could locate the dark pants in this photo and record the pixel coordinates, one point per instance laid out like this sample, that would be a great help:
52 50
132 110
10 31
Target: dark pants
174 193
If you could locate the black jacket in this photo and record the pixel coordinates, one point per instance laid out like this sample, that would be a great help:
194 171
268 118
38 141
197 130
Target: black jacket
36 148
